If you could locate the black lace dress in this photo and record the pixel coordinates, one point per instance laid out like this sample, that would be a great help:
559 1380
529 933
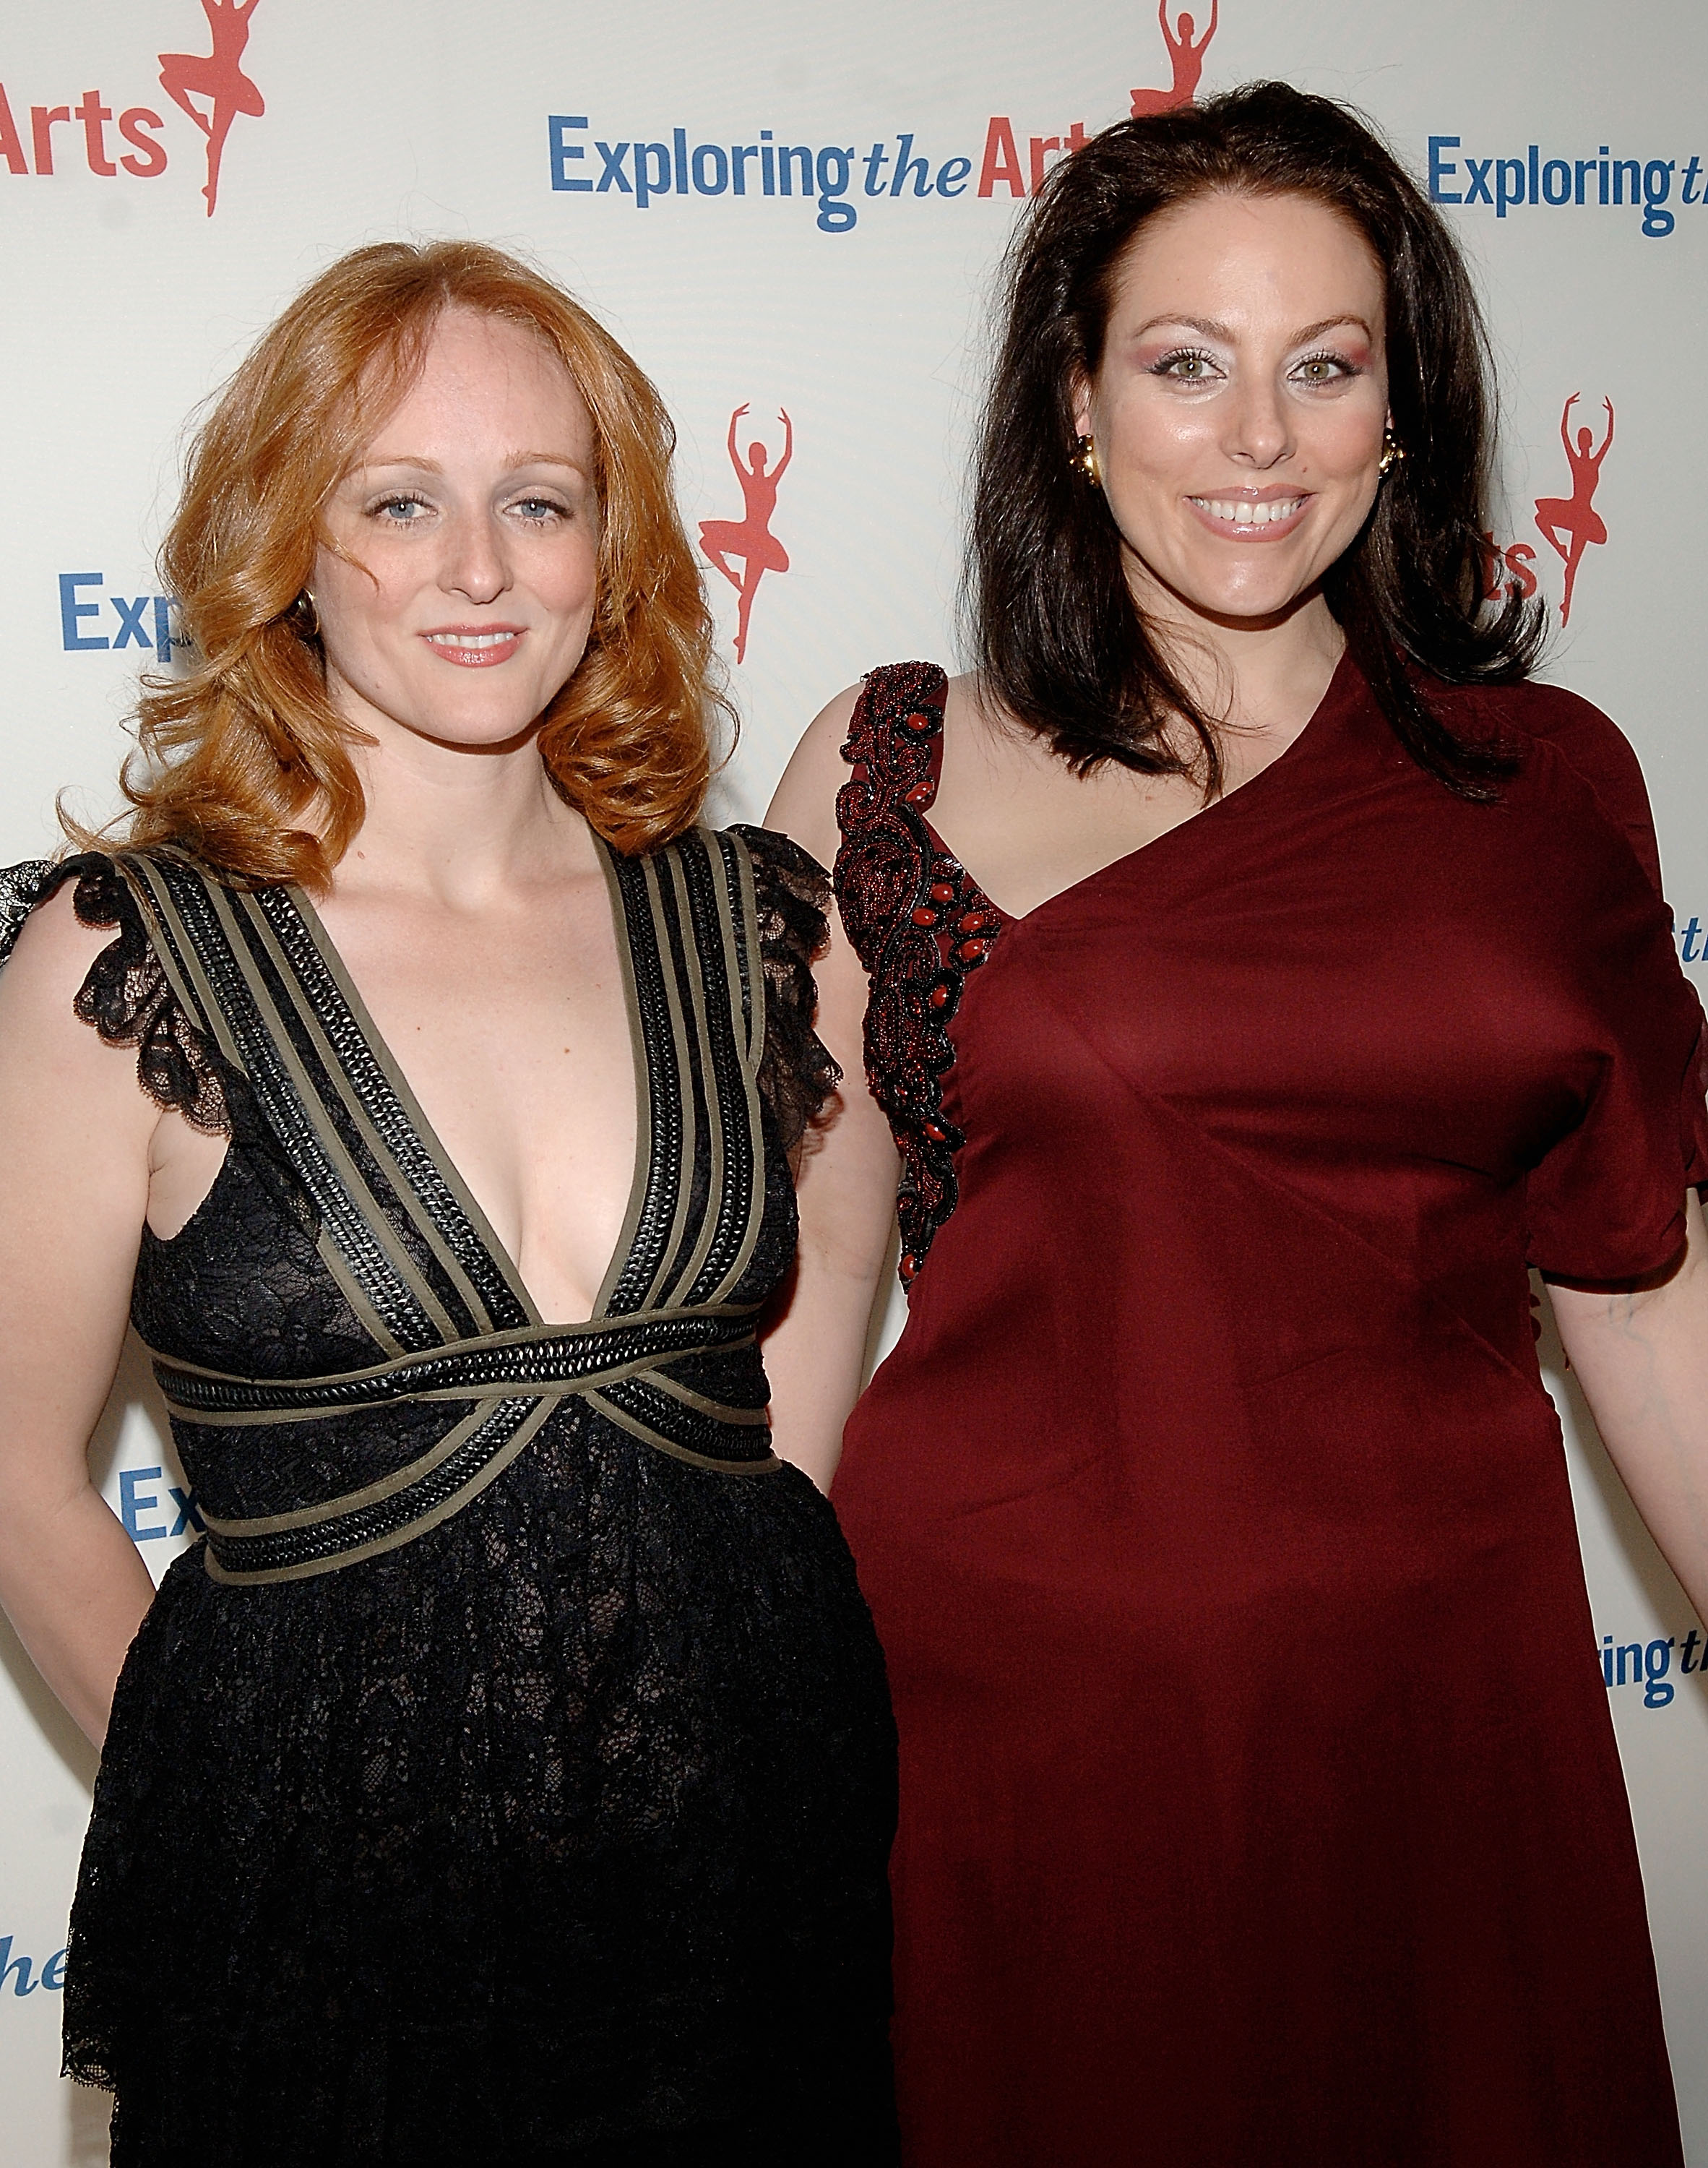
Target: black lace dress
510 1775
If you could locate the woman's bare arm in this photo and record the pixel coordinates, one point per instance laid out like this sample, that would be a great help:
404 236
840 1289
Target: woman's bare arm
73 1193
1641 1357
815 1351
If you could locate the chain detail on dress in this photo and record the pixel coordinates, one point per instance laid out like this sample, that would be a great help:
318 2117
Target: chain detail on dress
718 954
493 1845
919 923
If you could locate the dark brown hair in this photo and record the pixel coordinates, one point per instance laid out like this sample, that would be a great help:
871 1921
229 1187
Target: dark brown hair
245 760
1060 642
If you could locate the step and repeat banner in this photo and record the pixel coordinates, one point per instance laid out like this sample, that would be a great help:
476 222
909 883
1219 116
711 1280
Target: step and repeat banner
791 216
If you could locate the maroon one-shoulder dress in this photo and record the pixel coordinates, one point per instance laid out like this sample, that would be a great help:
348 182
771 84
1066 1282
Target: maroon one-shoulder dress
1260 1807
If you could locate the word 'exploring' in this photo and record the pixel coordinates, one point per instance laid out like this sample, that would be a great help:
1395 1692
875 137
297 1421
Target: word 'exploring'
1646 1664
145 621
1513 183
644 171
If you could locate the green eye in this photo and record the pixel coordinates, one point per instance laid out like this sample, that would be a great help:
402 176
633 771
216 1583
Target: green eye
1186 366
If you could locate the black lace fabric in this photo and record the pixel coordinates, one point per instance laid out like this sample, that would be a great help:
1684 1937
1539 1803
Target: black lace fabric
796 1074
127 999
559 1834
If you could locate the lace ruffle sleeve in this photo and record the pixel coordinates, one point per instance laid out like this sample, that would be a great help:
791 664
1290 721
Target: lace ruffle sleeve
796 1073
126 995
21 889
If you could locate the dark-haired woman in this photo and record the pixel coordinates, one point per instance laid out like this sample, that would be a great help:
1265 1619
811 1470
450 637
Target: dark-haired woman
1260 1800
509 1775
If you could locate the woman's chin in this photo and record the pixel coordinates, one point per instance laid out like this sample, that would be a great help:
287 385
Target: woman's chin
493 735
1231 604
469 727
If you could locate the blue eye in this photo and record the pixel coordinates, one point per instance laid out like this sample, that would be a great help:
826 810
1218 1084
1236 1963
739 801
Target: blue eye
541 508
399 511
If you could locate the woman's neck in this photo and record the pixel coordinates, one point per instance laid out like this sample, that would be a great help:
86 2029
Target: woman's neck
459 825
1256 676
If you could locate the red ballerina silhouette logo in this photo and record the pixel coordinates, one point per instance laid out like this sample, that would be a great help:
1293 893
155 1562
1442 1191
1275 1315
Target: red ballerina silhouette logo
1186 56
751 538
218 77
1575 516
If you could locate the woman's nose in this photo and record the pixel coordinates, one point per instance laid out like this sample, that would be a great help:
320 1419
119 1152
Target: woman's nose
476 563
1259 424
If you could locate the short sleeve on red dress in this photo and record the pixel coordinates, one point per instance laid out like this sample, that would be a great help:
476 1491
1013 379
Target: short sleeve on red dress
1599 753
1605 1202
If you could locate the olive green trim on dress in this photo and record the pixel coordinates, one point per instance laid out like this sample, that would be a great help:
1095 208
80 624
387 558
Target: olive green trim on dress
451 1321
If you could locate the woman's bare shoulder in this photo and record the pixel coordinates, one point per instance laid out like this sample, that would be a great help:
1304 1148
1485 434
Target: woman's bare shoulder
804 804
971 709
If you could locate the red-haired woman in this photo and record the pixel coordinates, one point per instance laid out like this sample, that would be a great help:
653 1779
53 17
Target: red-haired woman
509 1775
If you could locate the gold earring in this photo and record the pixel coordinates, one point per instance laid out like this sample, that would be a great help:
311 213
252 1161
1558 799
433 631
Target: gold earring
1392 452
1084 462
305 619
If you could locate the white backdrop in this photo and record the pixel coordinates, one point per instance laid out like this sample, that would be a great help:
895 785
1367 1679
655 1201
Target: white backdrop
642 154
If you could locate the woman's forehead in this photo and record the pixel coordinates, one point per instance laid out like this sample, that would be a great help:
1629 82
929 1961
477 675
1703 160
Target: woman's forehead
1221 256
473 370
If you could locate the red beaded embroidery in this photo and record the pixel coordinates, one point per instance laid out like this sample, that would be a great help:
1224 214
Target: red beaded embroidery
919 923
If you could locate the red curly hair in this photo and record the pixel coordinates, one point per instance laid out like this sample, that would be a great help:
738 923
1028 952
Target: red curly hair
245 761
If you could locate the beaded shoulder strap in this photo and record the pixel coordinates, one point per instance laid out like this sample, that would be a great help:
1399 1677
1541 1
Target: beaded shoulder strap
919 923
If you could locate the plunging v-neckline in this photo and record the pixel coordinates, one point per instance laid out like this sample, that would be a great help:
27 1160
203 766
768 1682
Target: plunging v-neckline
414 1117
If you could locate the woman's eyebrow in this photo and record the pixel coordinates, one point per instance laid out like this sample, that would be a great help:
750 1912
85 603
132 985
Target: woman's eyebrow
1211 327
420 465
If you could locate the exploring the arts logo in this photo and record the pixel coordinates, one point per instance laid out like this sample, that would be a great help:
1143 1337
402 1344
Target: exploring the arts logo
1570 526
841 180
211 89
148 621
1185 51
1574 518
1534 179
750 538
24 1974
217 77
1646 1664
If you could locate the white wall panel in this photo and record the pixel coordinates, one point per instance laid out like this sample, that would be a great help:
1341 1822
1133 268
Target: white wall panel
124 303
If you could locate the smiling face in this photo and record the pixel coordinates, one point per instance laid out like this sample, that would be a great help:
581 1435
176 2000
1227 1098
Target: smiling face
456 584
1239 407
